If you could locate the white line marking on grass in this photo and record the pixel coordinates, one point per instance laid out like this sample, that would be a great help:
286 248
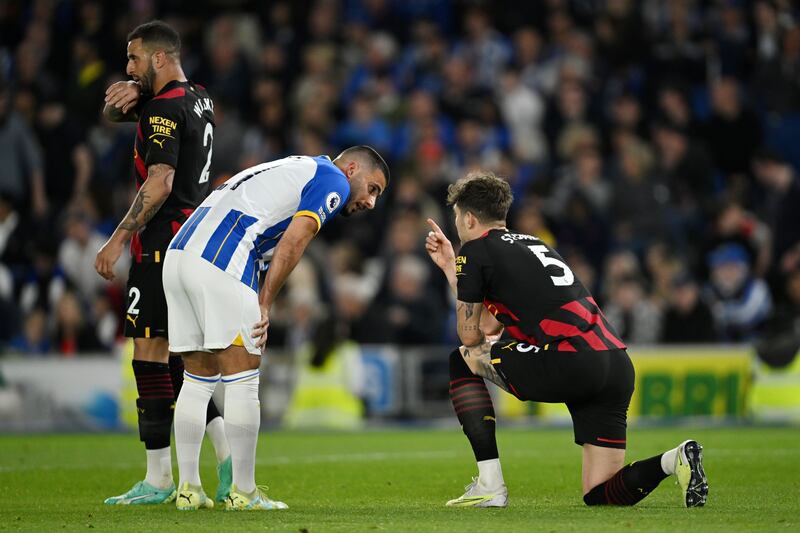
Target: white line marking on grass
375 457
367 457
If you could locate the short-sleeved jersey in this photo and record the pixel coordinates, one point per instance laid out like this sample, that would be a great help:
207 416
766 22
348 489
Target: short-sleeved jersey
238 226
176 128
527 286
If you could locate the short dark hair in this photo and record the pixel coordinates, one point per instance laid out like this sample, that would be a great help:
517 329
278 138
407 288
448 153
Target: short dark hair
159 34
371 155
482 193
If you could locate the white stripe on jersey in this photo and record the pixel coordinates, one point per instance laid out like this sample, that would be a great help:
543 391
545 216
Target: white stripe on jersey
241 221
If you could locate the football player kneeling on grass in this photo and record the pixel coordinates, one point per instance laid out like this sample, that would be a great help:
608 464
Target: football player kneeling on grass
562 350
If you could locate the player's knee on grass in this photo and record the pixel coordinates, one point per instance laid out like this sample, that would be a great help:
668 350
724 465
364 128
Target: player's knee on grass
596 496
630 485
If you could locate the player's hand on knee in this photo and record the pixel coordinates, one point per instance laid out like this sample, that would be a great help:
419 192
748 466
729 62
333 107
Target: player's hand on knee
260 329
123 95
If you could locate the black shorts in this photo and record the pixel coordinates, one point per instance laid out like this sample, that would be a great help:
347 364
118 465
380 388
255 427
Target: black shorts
596 386
146 307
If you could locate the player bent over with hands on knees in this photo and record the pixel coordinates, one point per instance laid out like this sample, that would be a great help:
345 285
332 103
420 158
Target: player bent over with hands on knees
563 350
262 218
171 153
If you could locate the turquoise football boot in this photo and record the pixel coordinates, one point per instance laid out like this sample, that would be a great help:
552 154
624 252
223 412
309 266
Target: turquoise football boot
143 493
225 476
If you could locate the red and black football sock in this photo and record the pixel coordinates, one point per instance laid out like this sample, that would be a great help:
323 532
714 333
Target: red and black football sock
176 369
630 485
473 407
156 398
176 375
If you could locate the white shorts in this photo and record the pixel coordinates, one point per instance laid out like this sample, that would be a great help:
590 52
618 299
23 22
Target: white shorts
206 308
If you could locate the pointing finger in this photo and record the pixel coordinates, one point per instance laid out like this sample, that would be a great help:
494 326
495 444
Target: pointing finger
435 226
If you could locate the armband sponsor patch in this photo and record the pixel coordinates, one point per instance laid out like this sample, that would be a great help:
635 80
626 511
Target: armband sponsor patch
332 201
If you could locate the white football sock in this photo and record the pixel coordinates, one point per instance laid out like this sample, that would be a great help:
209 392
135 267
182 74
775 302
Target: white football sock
159 468
216 432
490 474
242 420
190 424
668 461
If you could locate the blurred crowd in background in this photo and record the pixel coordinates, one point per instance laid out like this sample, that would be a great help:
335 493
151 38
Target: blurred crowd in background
654 143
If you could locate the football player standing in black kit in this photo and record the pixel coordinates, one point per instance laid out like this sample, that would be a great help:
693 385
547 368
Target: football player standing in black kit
563 350
171 156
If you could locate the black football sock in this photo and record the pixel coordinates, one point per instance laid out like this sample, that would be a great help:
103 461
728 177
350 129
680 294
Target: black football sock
176 373
211 411
473 407
176 369
155 403
628 486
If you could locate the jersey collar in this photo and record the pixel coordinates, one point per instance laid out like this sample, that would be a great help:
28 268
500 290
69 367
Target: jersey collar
486 233
168 86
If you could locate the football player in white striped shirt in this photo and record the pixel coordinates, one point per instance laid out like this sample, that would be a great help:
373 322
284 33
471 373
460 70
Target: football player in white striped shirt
260 219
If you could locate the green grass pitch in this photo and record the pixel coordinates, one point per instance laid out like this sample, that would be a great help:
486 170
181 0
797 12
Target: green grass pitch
400 480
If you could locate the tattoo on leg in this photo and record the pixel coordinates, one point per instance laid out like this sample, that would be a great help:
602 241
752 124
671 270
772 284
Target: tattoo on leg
481 363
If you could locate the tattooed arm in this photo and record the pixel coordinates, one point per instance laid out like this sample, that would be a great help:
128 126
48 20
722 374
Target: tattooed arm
148 201
468 317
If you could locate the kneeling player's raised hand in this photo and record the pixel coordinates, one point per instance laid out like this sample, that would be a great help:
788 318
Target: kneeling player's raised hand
439 248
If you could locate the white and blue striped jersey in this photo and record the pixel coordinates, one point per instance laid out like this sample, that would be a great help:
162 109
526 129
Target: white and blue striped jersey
238 226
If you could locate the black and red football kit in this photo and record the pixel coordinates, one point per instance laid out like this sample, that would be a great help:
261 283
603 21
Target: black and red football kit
564 349
176 128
